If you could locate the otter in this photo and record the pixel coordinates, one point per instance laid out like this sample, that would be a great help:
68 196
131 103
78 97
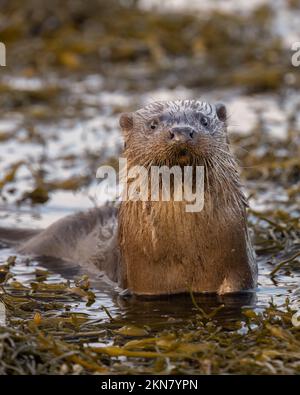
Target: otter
155 248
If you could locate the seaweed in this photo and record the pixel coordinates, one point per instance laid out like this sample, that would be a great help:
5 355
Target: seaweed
49 324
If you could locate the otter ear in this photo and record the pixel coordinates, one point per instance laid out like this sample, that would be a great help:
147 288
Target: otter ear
221 112
126 121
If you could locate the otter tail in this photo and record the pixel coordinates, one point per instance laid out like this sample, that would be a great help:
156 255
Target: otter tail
85 241
15 237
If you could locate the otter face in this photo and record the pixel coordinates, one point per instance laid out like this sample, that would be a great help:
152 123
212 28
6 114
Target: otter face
174 132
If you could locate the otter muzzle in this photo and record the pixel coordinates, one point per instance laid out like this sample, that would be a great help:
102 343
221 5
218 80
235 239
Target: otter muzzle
182 134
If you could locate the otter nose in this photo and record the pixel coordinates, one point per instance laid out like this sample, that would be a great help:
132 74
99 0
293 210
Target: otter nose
182 133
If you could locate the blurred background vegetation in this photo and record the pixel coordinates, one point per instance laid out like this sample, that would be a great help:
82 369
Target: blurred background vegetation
206 48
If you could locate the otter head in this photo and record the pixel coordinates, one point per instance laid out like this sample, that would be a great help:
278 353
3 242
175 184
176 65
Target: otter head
182 132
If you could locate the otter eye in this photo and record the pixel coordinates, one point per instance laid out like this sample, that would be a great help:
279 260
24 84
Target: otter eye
153 124
204 121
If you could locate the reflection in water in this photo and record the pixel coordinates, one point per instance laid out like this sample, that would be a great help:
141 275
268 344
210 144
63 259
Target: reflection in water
159 312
